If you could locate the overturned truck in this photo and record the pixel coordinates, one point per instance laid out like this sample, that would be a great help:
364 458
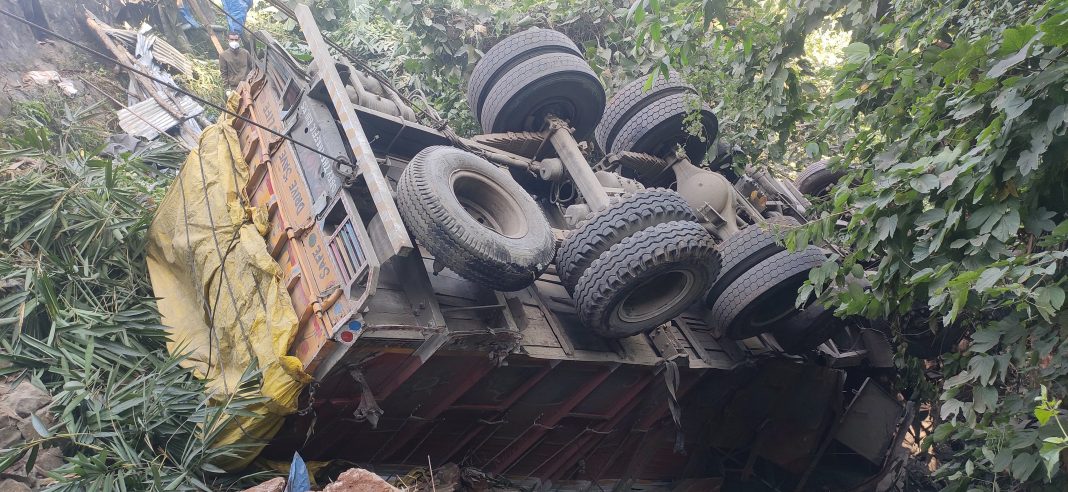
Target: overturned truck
505 303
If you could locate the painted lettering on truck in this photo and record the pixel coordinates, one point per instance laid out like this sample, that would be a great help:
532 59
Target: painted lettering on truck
315 246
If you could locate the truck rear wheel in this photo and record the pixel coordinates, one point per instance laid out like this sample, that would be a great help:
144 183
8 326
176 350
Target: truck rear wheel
651 122
807 329
560 84
474 218
509 52
746 248
762 297
629 100
817 179
633 213
646 279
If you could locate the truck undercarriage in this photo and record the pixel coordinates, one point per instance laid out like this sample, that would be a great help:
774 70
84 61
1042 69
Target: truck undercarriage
417 356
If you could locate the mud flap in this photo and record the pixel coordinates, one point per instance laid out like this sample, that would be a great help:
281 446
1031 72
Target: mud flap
671 380
368 409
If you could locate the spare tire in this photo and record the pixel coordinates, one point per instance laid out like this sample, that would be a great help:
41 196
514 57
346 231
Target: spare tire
646 279
747 247
633 213
474 218
506 54
561 84
817 179
762 297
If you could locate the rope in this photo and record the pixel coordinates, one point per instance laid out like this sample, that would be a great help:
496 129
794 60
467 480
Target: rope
162 82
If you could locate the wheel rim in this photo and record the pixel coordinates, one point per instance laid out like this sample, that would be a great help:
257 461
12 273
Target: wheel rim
655 296
489 204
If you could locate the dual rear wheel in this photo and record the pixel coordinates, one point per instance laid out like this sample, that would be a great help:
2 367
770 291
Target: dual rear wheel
631 267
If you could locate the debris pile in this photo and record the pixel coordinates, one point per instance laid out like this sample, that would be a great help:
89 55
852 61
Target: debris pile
351 480
154 107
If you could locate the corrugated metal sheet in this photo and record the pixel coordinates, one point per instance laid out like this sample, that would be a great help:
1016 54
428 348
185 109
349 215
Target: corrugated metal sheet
147 119
164 52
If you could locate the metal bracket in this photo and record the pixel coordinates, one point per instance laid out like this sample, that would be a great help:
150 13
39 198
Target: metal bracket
399 241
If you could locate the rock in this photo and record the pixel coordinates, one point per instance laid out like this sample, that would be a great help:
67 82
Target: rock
277 484
9 436
25 399
17 405
47 460
360 480
14 486
9 431
25 428
5 111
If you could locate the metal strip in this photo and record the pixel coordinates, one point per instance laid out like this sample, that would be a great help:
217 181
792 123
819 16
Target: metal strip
399 241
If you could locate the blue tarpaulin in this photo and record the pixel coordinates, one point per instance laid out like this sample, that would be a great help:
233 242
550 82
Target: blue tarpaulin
236 10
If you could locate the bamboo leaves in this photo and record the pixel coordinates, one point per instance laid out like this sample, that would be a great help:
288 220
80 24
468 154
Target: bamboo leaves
77 313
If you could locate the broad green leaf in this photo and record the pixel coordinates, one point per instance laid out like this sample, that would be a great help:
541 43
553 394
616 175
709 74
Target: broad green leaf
924 183
1004 65
1012 104
1014 38
1051 456
984 340
1049 298
1023 466
1055 30
929 217
1007 225
984 398
968 109
988 278
1001 460
982 366
856 53
950 408
886 227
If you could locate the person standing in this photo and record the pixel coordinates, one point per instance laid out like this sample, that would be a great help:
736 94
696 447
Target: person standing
236 11
234 62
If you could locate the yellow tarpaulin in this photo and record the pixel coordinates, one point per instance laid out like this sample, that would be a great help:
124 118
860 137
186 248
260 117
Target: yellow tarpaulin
220 293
